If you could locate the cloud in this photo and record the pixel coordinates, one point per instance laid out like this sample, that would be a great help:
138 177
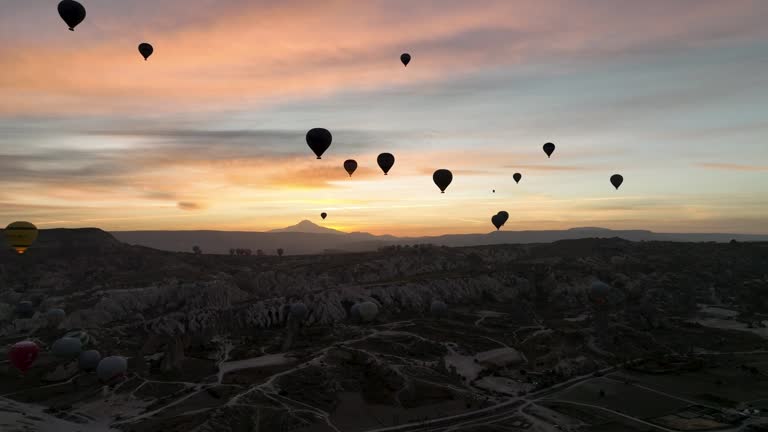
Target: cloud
188 205
553 167
732 167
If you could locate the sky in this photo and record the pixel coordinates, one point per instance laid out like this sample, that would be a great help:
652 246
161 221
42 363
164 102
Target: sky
210 132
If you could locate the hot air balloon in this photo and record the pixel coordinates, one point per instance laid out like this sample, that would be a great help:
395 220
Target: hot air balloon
299 312
617 180
517 177
20 235
85 338
549 148
110 368
494 191
145 50
442 179
368 311
25 309
89 360
504 216
354 312
496 221
385 161
350 165
323 215
23 354
405 58
55 317
319 139
598 293
72 12
67 347
438 308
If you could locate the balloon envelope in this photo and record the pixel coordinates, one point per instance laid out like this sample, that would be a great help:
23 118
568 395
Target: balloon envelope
598 292
112 367
25 309
323 215
319 139
549 148
617 180
350 165
405 58
89 360
299 312
55 316
442 179
438 308
23 354
67 347
72 12
368 311
517 177
146 50
496 221
503 216
385 161
20 235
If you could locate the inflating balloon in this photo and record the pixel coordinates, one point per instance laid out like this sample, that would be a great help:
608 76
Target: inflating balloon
55 317
20 235
111 368
405 58
617 180
350 165
299 312
549 148
385 161
354 312
72 12
442 179
67 347
319 139
599 292
438 308
89 360
146 50
25 309
368 311
323 215
23 354
517 177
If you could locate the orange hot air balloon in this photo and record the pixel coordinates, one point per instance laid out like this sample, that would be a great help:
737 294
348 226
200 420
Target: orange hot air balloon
20 235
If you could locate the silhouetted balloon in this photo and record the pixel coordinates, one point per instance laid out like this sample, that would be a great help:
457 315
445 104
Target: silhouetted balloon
23 354
72 12
517 177
549 148
89 360
55 316
323 215
319 139
350 165
494 191
299 312
504 217
385 161
146 50
67 347
438 308
111 367
368 311
617 180
496 221
442 179
405 58
25 309
20 235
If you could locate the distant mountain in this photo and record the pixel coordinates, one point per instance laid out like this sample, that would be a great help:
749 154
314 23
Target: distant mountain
306 226
309 238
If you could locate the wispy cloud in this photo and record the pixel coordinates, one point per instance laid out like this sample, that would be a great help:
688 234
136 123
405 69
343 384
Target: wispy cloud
732 167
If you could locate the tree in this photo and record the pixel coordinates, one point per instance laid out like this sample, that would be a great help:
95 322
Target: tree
259 252
197 250
231 251
280 251
247 252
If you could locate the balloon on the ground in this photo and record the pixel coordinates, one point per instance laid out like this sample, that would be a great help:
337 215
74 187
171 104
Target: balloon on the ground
299 312
350 165
23 354
67 347
368 311
517 177
549 148
405 58
617 180
55 316
20 235
442 179
438 308
319 139
385 161
72 12
146 50
25 309
89 360
354 312
598 292
112 367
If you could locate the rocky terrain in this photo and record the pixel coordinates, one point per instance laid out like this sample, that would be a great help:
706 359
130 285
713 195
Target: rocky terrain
212 346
